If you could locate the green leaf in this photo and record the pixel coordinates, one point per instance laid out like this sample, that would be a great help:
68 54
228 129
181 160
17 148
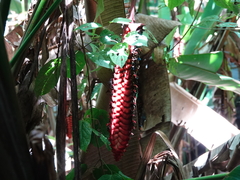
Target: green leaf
234 174
135 39
81 87
173 3
108 37
121 20
101 58
200 65
110 177
80 62
89 26
191 6
199 34
85 134
96 90
103 138
109 171
47 77
227 24
119 53
98 119
168 39
70 175
229 4
203 68
100 8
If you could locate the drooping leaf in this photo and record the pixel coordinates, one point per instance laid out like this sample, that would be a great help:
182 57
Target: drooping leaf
108 37
85 134
135 39
119 53
88 26
234 174
98 119
101 58
80 62
109 171
47 77
100 8
121 20
103 139
96 90
199 34
173 3
203 68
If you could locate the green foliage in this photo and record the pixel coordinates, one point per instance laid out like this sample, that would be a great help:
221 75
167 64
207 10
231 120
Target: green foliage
101 58
98 119
80 62
234 174
100 8
198 34
173 3
109 172
88 26
47 77
108 37
133 38
70 175
119 54
228 4
85 134
121 20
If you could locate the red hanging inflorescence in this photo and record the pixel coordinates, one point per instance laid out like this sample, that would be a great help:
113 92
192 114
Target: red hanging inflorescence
122 102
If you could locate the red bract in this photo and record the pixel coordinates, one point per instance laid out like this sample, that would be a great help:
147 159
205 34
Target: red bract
121 109
123 94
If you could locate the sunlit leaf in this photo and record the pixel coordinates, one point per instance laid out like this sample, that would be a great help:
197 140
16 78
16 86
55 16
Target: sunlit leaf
119 54
227 24
135 39
101 58
229 4
108 37
204 70
89 26
121 20
80 62
173 3
47 77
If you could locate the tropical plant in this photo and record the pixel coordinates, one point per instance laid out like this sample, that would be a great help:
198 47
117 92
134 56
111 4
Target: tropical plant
98 81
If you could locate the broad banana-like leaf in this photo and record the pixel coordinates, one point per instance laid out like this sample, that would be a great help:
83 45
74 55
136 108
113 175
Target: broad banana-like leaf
201 122
203 68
